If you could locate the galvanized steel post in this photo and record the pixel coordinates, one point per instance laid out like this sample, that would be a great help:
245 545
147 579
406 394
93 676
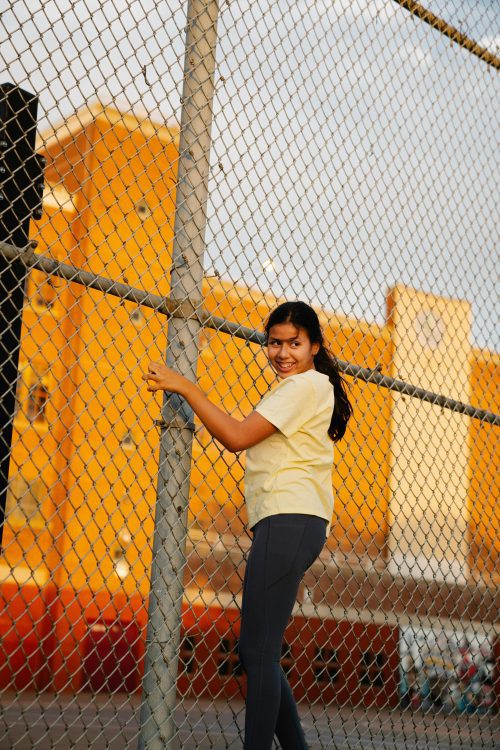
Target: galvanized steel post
165 602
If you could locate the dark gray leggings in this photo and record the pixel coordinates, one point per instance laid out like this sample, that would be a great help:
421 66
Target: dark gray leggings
283 548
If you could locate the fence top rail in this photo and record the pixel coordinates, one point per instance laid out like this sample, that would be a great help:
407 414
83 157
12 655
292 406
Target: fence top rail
457 36
175 308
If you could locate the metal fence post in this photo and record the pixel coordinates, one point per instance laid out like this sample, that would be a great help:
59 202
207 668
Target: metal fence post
165 601
21 188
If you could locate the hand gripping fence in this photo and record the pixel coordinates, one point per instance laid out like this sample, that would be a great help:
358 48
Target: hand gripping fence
342 153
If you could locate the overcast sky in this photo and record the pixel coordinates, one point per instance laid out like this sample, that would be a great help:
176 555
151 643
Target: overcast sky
357 147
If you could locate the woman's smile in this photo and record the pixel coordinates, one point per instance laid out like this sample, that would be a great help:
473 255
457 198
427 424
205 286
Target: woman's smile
290 350
284 365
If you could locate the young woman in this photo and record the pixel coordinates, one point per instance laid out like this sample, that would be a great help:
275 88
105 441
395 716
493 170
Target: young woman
289 498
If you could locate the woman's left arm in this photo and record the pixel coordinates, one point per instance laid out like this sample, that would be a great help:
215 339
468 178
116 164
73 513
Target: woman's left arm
234 435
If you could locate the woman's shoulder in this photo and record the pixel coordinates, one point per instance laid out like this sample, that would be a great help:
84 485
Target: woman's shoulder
320 385
295 400
315 376
311 384
319 380
310 380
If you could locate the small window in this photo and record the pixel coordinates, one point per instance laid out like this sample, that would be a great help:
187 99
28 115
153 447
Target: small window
32 392
143 210
128 442
38 396
137 318
24 499
366 665
44 290
224 657
228 659
326 665
371 672
187 662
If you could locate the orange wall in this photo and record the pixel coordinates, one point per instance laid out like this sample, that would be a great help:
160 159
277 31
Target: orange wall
121 226
484 476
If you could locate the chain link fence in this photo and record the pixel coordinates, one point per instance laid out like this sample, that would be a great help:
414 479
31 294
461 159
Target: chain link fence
205 161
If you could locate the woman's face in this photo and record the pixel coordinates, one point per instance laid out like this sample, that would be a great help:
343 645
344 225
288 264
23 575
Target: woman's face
289 350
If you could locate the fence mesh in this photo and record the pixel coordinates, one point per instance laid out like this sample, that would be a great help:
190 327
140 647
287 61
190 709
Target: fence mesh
351 153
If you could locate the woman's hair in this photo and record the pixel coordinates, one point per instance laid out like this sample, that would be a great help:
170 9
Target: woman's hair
303 316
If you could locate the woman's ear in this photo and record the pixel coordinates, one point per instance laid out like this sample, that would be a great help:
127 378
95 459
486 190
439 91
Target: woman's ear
315 349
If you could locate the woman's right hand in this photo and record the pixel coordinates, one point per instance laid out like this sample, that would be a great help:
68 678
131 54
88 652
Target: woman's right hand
163 378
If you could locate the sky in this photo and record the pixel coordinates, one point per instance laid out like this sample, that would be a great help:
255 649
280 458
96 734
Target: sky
354 147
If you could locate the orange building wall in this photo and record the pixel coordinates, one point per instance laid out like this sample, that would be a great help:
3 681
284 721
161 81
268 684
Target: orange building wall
484 476
97 456
94 356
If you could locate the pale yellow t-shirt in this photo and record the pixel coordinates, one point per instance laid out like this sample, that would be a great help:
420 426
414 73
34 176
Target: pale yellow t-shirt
291 471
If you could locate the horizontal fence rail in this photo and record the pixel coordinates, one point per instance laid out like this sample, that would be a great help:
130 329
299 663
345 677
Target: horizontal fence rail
173 308
457 36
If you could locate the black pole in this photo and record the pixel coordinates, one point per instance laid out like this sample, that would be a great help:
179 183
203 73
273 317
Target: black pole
11 304
21 188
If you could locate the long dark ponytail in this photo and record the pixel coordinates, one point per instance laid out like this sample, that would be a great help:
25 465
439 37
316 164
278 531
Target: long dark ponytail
303 316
